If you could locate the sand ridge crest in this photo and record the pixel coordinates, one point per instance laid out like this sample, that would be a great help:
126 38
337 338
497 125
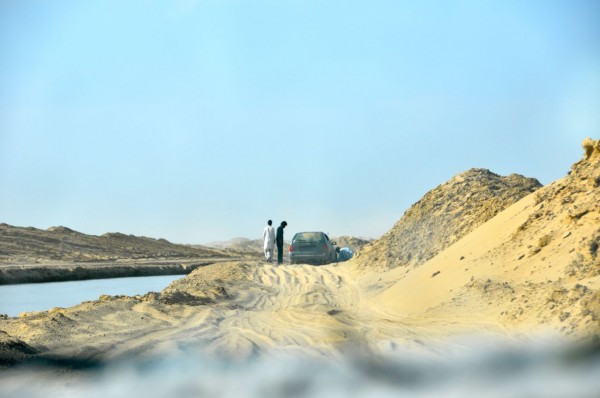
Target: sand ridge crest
444 215
534 266
530 268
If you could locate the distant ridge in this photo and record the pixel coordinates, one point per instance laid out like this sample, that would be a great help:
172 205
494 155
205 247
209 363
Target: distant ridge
27 245
245 245
356 244
238 244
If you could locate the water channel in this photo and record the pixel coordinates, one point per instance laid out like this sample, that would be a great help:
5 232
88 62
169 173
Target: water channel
28 297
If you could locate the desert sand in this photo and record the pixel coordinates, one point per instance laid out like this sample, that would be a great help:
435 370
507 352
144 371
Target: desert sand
529 270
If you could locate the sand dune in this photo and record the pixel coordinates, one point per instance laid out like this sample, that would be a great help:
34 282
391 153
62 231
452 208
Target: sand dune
532 269
235 310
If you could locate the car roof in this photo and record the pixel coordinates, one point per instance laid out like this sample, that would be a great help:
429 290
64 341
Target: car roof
310 233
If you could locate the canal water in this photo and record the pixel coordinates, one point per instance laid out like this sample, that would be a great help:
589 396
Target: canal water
28 297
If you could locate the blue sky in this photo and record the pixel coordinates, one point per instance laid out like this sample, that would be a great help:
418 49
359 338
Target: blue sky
197 121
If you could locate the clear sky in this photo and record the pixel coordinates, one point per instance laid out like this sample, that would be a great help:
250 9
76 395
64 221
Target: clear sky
197 121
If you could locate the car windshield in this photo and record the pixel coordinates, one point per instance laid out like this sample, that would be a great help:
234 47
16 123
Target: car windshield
313 237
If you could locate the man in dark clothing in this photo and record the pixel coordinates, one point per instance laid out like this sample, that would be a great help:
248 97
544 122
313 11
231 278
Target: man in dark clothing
279 241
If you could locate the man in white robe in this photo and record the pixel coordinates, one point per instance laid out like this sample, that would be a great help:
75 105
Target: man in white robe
269 240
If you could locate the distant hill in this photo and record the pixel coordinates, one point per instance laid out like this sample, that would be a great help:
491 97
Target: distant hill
445 214
352 242
18 244
245 245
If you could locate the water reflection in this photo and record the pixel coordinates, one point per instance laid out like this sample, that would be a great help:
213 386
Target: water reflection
28 297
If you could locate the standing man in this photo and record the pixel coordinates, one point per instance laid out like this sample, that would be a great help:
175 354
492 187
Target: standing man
279 240
269 240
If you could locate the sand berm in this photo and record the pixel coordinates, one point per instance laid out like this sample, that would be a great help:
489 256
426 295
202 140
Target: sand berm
478 255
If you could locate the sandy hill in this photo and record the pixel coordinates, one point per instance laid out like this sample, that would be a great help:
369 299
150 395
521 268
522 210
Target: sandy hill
530 269
535 266
19 245
356 244
446 214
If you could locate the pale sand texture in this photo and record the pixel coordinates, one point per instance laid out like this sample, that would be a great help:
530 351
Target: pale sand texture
532 270
479 286
234 310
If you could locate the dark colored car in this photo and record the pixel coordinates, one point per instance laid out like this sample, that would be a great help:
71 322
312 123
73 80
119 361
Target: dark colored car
312 248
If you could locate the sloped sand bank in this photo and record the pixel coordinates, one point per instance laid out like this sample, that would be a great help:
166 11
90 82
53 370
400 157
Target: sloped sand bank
65 271
528 274
249 329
